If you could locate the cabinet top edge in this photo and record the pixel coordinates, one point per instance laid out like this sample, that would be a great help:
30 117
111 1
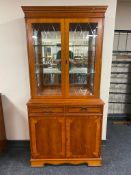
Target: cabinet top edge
67 102
28 10
35 8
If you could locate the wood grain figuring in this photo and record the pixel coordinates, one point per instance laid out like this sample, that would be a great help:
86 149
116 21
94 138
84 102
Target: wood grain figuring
48 137
65 126
2 129
82 137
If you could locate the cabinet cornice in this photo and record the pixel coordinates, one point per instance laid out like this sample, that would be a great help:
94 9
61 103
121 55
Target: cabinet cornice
64 11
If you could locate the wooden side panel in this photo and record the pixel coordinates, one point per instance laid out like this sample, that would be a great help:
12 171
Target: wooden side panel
2 129
47 137
83 136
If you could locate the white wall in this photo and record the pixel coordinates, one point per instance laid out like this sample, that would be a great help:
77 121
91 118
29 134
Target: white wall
14 76
123 16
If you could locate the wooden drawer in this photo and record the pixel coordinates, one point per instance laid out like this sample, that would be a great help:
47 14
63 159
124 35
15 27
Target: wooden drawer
83 109
46 109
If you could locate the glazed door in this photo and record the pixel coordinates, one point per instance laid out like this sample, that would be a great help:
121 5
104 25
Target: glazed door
83 54
83 135
46 57
47 137
65 57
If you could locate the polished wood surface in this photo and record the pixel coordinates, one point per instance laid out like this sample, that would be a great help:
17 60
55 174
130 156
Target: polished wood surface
83 133
65 131
90 162
2 129
64 11
65 127
89 102
83 109
46 109
48 136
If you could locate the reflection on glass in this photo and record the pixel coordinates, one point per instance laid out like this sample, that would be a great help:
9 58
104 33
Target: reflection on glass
82 46
47 46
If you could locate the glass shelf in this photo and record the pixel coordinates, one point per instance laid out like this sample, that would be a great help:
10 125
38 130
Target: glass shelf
41 45
51 45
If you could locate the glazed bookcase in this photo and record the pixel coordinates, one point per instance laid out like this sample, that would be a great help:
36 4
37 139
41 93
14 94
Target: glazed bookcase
65 110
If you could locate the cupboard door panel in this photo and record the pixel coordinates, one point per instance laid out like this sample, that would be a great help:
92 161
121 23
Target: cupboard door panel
47 137
83 136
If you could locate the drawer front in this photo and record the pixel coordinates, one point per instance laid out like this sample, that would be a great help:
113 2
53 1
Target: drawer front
83 109
46 109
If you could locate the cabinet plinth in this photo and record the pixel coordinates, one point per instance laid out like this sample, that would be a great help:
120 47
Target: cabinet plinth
65 111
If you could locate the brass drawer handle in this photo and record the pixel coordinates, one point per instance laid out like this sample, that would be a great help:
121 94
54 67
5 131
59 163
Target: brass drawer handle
83 109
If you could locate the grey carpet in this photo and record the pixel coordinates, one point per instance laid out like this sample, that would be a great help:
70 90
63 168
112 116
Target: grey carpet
116 158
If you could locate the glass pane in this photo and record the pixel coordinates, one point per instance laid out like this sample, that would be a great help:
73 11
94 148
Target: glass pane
47 49
82 53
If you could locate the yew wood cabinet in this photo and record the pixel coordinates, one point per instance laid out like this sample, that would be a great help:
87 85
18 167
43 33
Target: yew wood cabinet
65 110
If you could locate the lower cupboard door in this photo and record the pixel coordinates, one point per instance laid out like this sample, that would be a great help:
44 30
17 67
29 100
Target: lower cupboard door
47 137
83 135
